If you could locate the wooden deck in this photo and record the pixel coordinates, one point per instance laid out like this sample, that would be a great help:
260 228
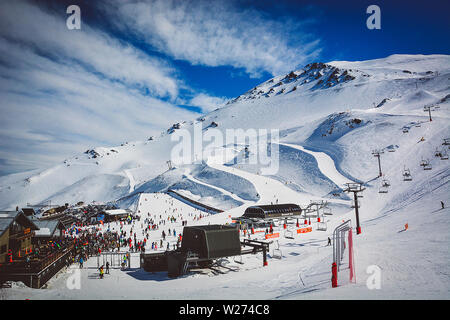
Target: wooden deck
36 272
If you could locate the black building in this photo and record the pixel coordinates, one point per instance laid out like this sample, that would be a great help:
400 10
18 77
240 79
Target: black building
272 211
211 241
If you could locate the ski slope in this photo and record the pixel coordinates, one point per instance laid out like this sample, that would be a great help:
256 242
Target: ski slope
328 131
325 164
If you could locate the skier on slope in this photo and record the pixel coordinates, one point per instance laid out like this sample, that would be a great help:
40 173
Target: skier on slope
101 272
124 262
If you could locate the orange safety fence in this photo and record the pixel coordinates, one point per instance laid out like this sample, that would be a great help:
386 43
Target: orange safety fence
272 235
304 230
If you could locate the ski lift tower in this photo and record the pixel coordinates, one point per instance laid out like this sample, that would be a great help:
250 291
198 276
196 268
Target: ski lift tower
378 153
355 188
428 108
319 205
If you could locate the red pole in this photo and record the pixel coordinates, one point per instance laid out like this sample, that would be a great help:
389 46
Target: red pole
334 275
350 255
265 264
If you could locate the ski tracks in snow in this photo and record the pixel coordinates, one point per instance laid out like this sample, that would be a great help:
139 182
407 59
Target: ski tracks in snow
225 192
325 163
269 190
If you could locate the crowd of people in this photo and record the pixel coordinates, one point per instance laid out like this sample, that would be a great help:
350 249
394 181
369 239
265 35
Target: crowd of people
138 233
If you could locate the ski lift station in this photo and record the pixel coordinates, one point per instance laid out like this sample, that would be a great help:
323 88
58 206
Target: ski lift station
263 215
272 211
201 246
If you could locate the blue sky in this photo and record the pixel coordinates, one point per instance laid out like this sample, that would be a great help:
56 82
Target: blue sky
142 65
407 27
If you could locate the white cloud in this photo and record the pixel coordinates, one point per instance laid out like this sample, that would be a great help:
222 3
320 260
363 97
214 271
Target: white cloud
207 103
95 50
64 92
217 33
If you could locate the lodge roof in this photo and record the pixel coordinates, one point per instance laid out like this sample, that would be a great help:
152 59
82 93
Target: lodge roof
116 212
8 217
47 228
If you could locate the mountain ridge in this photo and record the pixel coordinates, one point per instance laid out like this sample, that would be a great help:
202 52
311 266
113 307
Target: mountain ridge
399 85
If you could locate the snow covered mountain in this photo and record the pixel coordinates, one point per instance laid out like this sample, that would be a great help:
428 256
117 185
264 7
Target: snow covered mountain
330 117
344 109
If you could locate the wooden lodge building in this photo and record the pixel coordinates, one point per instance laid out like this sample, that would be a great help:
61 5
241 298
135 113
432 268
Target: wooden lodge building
20 236
16 232
113 215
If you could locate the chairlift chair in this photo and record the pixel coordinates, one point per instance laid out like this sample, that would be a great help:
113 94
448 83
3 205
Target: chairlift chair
427 165
289 234
391 150
407 175
277 251
423 163
322 226
438 153
383 190
238 259
353 204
